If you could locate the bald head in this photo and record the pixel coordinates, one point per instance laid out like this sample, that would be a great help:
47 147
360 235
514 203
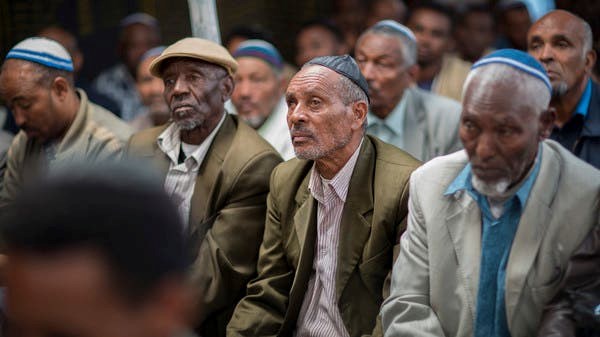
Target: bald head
562 42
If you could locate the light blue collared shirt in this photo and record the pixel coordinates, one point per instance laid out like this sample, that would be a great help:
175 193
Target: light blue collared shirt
390 129
497 235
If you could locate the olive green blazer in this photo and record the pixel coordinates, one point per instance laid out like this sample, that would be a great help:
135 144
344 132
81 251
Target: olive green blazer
373 218
227 214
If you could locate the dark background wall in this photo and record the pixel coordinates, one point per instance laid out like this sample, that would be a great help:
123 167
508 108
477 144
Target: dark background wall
96 22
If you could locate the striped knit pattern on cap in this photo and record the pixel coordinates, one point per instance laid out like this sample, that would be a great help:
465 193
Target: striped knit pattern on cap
43 51
518 60
260 49
397 27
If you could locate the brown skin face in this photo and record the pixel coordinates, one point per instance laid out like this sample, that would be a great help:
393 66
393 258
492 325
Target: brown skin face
195 91
322 127
432 30
380 59
151 92
257 91
384 10
515 26
136 39
42 111
475 35
501 136
557 41
73 294
316 41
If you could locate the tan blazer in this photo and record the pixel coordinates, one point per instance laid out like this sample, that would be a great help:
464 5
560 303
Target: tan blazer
373 217
449 81
229 198
435 279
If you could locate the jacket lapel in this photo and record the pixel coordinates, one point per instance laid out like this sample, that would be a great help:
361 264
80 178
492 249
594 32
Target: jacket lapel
354 228
532 226
209 175
305 226
464 225
414 133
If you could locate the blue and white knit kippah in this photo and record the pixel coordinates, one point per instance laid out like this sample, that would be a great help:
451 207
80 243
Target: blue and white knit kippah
518 60
260 49
43 51
397 27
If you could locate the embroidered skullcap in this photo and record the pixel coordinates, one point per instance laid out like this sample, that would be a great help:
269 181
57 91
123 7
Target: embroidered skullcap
196 48
518 60
260 49
402 29
154 52
44 51
139 18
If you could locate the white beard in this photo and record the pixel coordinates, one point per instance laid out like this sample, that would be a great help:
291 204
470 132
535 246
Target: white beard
495 190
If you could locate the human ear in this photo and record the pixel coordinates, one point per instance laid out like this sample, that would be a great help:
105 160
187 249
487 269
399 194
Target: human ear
226 86
60 87
546 121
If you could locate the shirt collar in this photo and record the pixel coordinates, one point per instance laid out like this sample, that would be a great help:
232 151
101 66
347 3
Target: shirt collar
339 183
169 142
394 121
584 101
463 181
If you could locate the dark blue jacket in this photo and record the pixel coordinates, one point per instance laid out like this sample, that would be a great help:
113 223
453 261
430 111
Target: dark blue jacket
587 146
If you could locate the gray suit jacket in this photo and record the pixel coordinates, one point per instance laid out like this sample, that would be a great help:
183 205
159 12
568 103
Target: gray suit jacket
430 124
435 279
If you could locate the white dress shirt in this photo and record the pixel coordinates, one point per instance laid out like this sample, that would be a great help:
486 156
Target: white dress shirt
181 177
319 314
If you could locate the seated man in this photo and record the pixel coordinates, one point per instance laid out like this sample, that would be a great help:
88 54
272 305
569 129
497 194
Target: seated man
439 71
491 228
420 123
334 215
58 123
258 94
155 110
215 169
82 257
575 96
318 37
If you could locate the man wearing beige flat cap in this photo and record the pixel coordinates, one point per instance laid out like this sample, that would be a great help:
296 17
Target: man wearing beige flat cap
216 170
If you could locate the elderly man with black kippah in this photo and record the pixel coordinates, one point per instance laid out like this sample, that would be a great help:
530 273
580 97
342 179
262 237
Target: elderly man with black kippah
215 168
334 216
58 123
491 229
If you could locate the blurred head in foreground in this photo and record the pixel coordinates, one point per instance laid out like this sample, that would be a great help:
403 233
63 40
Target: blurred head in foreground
95 252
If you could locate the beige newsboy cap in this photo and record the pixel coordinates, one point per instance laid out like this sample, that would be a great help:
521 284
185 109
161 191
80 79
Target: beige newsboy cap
196 48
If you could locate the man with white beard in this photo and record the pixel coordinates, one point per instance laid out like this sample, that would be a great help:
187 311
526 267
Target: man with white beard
491 228
216 170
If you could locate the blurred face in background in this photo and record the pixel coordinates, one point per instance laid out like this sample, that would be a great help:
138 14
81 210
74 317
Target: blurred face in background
258 89
315 41
151 91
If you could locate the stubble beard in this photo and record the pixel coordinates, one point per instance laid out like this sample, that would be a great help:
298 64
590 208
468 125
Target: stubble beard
318 151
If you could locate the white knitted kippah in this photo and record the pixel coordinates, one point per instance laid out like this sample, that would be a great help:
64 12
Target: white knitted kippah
43 51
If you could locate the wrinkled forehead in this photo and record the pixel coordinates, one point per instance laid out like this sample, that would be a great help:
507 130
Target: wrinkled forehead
314 77
559 23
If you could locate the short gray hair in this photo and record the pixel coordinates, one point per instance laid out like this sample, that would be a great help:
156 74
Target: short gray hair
408 46
497 73
350 93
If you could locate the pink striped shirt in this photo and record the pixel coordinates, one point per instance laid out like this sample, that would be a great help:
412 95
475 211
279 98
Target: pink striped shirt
319 314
